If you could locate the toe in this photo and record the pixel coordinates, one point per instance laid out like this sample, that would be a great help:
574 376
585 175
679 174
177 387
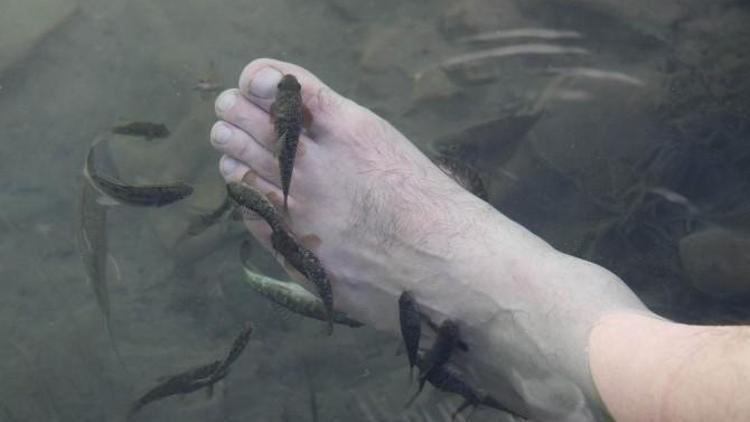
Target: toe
258 84
242 147
231 169
236 171
237 110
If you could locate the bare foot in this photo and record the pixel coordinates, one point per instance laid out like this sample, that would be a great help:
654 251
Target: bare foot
383 219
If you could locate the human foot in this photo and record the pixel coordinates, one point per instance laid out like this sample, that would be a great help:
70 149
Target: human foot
383 219
382 216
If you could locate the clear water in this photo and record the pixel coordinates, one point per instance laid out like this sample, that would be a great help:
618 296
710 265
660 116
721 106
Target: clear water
643 140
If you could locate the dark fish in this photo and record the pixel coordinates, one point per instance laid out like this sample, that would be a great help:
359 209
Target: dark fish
440 353
139 195
488 143
411 327
238 345
255 201
92 243
148 130
182 383
200 223
304 261
204 376
434 327
449 379
290 295
463 174
287 112
299 257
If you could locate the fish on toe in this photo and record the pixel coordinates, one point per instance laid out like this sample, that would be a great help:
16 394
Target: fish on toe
282 241
287 113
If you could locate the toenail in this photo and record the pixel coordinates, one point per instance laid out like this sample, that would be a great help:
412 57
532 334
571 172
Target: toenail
227 166
221 133
226 101
264 83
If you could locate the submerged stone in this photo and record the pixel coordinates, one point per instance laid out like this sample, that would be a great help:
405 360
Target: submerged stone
717 262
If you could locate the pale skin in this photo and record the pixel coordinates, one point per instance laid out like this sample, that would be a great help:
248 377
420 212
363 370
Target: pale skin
383 219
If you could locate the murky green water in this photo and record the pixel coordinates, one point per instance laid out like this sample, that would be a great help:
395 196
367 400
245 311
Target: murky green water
639 160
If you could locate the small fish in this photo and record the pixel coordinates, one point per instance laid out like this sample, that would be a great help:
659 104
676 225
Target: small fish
201 223
287 112
293 297
204 376
411 327
92 243
304 261
448 379
299 257
463 174
148 130
91 237
255 201
138 195
182 383
238 345
440 353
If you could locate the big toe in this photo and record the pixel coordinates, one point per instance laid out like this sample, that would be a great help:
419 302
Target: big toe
259 80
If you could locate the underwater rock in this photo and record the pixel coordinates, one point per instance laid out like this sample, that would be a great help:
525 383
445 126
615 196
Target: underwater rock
415 40
596 143
433 84
717 261
377 51
23 23
378 55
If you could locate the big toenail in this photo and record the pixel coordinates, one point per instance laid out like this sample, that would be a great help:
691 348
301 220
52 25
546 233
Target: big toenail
264 83
226 101
221 133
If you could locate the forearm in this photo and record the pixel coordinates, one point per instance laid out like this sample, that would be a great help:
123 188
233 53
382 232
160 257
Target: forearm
648 369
